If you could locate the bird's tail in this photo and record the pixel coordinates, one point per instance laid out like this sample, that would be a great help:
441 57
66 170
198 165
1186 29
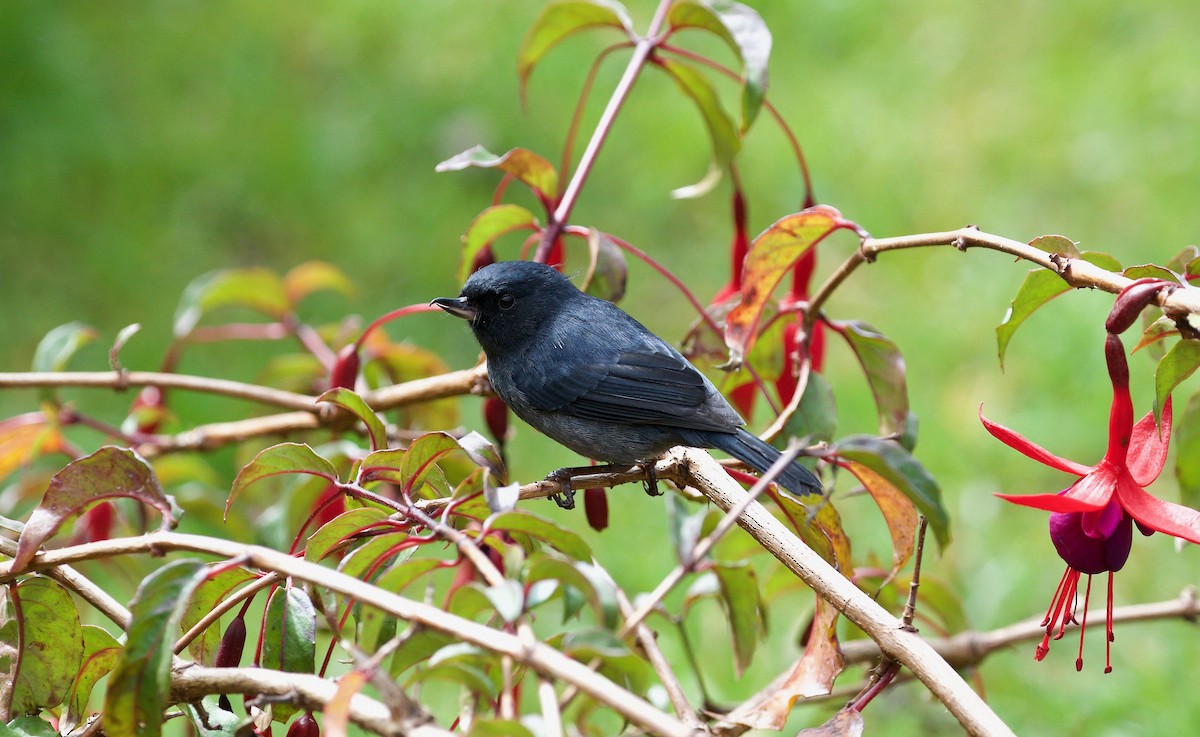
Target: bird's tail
757 454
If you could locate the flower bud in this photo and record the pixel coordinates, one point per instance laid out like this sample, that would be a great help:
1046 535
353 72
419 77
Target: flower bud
1132 300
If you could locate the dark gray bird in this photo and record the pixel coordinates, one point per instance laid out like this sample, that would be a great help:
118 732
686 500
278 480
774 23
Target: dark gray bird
584 372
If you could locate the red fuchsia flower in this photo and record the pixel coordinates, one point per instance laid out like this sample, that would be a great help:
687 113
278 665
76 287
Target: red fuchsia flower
1091 521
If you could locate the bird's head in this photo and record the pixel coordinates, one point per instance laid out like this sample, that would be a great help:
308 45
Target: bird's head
507 301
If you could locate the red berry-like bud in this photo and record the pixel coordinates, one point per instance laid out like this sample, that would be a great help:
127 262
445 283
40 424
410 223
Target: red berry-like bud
345 368
595 504
305 726
233 642
1132 300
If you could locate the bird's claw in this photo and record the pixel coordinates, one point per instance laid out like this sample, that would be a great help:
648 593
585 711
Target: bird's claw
566 498
651 483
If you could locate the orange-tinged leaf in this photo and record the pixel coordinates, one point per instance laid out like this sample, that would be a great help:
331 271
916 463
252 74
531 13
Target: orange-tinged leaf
26 437
846 723
898 511
813 675
107 473
771 256
315 276
537 173
337 711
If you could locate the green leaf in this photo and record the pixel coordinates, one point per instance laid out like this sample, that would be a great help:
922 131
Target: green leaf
139 686
530 168
744 30
508 599
1161 328
1187 452
289 639
256 289
484 454
771 257
55 350
28 727
215 589
903 471
416 647
721 130
315 276
335 531
285 458
607 271
422 457
581 578
739 593
558 20
884 368
101 651
1041 286
51 644
210 720
559 538
373 621
107 473
367 559
357 406
488 226
499 728
1177 365
685 525
815 417
119 342
1143 271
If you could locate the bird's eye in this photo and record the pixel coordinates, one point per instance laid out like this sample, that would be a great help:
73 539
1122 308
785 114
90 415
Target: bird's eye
507 301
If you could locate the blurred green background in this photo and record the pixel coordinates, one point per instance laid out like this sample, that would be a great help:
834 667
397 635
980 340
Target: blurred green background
144 144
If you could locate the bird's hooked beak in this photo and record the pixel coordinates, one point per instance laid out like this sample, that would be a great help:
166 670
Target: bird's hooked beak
456 306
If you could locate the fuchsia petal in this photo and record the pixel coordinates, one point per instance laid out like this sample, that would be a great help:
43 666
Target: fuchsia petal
1050 502
1018 442
1148 447
1173 519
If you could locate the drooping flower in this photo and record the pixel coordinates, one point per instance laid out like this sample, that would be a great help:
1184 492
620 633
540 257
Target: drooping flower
1091 521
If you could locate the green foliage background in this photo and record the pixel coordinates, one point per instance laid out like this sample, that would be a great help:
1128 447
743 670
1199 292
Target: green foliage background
142 145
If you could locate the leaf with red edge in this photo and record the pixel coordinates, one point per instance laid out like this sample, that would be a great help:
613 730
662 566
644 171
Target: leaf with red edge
530 168
771 256
1179 363
357 406
257 289
898 511
743 29
1148 445
315 276
339 529
51 644
1163 327
1042 285
139 687
216 588
721 130
540 528
558 20
26 437
487 227
289 641
607 270
884 368
285 458
107 473
1187 453
895 464
55 350
101 651
422 457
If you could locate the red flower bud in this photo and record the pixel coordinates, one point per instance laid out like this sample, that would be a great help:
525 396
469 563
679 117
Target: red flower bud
1132 300
305 726
595 504
345 368
233 642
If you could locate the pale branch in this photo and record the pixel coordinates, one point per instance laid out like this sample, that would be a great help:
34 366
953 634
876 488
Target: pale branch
1076 272
522 647
966 649
192 682
856 605
82 585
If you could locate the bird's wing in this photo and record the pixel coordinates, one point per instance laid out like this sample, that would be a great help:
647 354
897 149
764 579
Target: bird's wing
634 379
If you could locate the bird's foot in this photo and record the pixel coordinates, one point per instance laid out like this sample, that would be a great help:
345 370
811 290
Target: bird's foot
566 498
651 483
